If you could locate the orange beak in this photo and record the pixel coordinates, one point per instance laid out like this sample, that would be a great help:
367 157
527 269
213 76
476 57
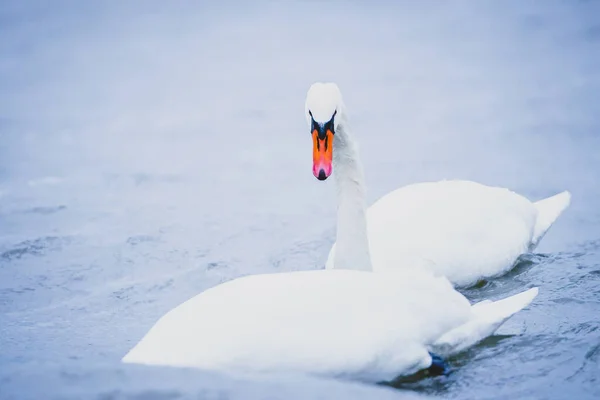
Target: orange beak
322 154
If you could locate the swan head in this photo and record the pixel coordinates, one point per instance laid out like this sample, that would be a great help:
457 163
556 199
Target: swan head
323 109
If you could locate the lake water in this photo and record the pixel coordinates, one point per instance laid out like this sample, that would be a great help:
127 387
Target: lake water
150 150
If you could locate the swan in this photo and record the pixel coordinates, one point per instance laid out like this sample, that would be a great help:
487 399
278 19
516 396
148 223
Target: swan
346 323
463 230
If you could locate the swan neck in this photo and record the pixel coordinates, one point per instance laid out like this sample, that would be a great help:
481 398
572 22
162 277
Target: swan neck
352 244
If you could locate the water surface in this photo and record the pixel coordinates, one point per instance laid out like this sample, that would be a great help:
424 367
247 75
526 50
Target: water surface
149 151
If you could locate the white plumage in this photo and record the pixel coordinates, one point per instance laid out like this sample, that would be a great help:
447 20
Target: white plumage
463 230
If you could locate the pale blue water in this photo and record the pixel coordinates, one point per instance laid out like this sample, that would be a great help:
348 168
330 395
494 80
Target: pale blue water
150 150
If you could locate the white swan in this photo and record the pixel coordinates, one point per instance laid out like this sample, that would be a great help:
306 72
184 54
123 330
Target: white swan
462 230
342 323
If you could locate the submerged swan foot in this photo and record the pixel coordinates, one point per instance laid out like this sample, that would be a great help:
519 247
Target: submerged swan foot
438 366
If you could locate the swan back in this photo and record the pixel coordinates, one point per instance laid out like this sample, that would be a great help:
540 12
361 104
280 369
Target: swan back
459 229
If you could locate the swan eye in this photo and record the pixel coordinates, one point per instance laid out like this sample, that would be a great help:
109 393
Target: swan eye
330 124
313 124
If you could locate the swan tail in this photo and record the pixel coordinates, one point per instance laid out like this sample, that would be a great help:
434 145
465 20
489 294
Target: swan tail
549 210
487 317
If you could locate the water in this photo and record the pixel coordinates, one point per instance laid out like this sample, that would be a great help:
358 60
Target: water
150 151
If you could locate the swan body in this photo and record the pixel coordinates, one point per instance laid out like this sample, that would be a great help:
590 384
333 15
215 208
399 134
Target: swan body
463 230
341 323
344 323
